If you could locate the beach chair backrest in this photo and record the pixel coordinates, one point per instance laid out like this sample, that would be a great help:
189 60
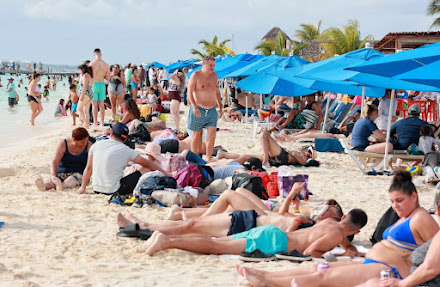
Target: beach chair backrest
324 107
345 111
333 106
339 109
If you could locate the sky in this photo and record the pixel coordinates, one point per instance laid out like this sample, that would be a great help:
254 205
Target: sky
136 31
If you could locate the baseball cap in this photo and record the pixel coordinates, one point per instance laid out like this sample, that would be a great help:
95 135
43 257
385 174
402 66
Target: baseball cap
414 109
10 79
120 130
253 161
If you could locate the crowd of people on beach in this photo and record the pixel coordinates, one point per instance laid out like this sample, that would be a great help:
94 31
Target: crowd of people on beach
137 154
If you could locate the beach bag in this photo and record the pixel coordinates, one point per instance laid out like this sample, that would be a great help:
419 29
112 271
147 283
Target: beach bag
188 176
431 159
285 184
142 133
173 162
250 182
413 149
157 183
389 218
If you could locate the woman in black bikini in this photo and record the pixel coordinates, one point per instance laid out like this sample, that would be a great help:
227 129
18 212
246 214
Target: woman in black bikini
85 94
34 97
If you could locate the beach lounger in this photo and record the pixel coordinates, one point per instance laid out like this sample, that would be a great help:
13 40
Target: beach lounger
367 161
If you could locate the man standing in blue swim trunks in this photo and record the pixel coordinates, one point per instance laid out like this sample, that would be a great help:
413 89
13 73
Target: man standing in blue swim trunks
204 96
101 72
315 240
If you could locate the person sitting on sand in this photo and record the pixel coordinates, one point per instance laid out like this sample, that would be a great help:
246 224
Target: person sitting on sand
314 241
107 160
230 111
274 154
364 128
69 162
168 141
415 227
342 131
131 111
60 110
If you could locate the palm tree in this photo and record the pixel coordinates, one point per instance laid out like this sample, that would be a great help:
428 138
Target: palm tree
277 46
309 32
307 35
340 41
213 48
433 9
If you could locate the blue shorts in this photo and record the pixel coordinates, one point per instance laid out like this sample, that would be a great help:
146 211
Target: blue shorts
98 89
267 238
74 107
208 118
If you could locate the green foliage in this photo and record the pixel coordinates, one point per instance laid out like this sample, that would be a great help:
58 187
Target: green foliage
213 48
278 46
432 10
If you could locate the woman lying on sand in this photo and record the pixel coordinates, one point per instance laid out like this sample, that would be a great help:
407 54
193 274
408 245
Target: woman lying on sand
69 162
414 228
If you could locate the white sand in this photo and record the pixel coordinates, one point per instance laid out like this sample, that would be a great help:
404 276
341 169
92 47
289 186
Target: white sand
65 239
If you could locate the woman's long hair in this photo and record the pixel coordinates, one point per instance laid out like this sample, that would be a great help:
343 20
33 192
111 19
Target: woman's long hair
132 107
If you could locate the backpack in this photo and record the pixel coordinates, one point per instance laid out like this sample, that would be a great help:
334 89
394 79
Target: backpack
389 218
207 175
188 176
173 162
153 183
250 182
264 177
142 133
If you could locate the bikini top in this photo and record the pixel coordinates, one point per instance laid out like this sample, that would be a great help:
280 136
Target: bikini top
401 235
37 89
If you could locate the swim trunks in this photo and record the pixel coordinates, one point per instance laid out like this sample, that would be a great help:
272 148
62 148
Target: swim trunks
98 89
208 118
169 145
242 221
267 238
279 160
74 107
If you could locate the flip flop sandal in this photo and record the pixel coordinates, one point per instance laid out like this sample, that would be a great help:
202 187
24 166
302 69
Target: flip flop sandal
294 255
133 230
256 256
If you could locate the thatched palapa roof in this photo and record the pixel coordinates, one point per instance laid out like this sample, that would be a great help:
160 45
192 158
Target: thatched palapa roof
273 34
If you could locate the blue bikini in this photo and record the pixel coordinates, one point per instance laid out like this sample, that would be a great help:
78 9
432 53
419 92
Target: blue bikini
402 237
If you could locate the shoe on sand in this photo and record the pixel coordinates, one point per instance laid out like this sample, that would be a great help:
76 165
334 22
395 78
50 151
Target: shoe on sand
133 230
256 256
294 255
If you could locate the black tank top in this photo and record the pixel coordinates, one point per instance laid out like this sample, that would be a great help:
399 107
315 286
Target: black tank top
73 163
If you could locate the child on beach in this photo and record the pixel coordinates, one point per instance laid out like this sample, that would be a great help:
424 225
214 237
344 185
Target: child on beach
46 94
426 140
73 96
60 110
150 102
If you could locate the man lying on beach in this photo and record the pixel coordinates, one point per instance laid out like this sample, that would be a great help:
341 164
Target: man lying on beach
274 154
314 241
107 160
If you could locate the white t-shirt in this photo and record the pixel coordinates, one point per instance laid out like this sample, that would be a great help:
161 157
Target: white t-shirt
425 143
163 75
151 74
384 108
110 157
151 97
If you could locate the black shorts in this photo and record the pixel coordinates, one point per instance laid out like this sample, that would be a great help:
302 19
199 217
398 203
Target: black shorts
12 101
32 99
242 221
128 183
359 148
170 145
279 160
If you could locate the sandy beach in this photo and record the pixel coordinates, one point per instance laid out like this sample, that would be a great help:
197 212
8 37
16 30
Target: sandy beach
66 239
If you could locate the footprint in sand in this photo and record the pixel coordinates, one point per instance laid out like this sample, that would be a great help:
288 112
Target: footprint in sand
5 172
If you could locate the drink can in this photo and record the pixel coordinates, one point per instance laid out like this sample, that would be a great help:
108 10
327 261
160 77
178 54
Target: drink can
323 266
385 274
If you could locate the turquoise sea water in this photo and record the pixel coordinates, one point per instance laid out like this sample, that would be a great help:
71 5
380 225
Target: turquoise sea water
14 123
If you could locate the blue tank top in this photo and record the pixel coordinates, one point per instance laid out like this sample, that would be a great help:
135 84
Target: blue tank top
73 163
401 235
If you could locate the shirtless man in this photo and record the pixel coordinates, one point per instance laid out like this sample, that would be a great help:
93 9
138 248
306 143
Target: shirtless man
204 96
314 241
101 72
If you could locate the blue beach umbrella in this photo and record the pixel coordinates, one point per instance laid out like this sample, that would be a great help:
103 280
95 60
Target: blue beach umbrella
428 75
252 68
232 64
327 75
392 65
156 65
190 64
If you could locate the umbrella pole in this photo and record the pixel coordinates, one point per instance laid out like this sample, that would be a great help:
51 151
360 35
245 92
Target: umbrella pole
363 97
326 111
261 101
390 112
246 116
